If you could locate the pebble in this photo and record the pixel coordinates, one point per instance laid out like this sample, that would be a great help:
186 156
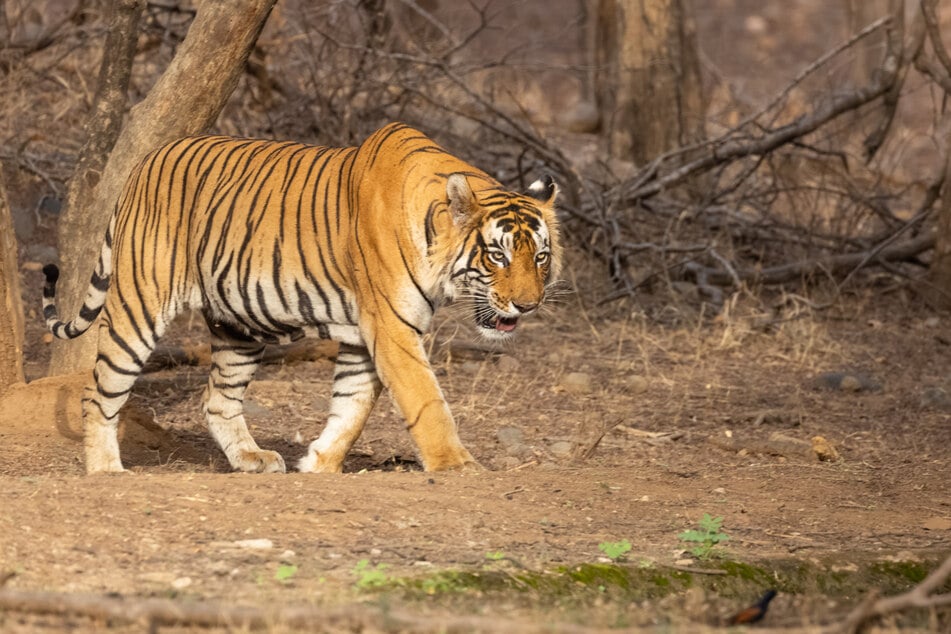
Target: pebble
636 384
254 544
562 449
852 382
181 583
510 462
577 383
507 363
936 398
824 450
510 436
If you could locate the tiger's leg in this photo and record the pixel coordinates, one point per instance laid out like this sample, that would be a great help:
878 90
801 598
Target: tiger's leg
356 388
123 349
404 367
234 360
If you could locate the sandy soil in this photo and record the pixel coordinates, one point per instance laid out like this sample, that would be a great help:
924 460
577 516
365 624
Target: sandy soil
594 428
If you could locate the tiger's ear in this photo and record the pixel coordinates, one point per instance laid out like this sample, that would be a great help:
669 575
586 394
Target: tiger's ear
462 202
544 189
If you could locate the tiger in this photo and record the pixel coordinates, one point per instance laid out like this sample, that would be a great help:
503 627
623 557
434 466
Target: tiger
273 241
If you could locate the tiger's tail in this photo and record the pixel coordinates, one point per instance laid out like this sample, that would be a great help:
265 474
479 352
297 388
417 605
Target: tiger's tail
92 304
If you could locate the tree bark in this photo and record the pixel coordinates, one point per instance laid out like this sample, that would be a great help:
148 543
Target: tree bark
185 100
648 78
11 308
939 271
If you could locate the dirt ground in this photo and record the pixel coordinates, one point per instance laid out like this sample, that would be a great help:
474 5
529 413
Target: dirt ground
597 426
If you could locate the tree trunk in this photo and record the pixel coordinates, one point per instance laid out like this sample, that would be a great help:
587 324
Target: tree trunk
185 100
11 308
939 272
648 78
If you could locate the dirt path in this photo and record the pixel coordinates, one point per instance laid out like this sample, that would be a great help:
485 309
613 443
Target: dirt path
685 418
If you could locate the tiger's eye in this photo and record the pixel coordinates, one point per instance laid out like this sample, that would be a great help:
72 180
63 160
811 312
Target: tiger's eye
497 257
541 259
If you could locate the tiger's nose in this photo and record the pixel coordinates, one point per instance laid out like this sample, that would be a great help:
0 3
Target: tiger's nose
527 307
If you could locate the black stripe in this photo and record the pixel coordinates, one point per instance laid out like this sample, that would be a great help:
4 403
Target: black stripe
412 278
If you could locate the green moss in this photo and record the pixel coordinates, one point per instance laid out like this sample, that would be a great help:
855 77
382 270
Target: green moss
620 584
912 571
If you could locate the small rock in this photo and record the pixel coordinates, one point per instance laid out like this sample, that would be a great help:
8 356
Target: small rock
181 583
254 544
577 383
636 384
507 363
824 450
846 382
561 449
510 436
850 383
936 398
471 366
789 446
509 462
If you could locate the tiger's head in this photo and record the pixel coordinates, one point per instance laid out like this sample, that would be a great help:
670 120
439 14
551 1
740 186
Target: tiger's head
510 252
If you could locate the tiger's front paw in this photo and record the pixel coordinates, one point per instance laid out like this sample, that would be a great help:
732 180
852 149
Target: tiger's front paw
260 461
452 460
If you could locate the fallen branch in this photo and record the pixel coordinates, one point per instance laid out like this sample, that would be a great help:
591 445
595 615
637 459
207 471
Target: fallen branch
155 613
828 264
918 597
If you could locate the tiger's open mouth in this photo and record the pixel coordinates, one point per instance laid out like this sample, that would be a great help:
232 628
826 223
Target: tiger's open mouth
488 318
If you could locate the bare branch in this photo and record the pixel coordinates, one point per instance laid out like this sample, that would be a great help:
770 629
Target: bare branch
918 597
